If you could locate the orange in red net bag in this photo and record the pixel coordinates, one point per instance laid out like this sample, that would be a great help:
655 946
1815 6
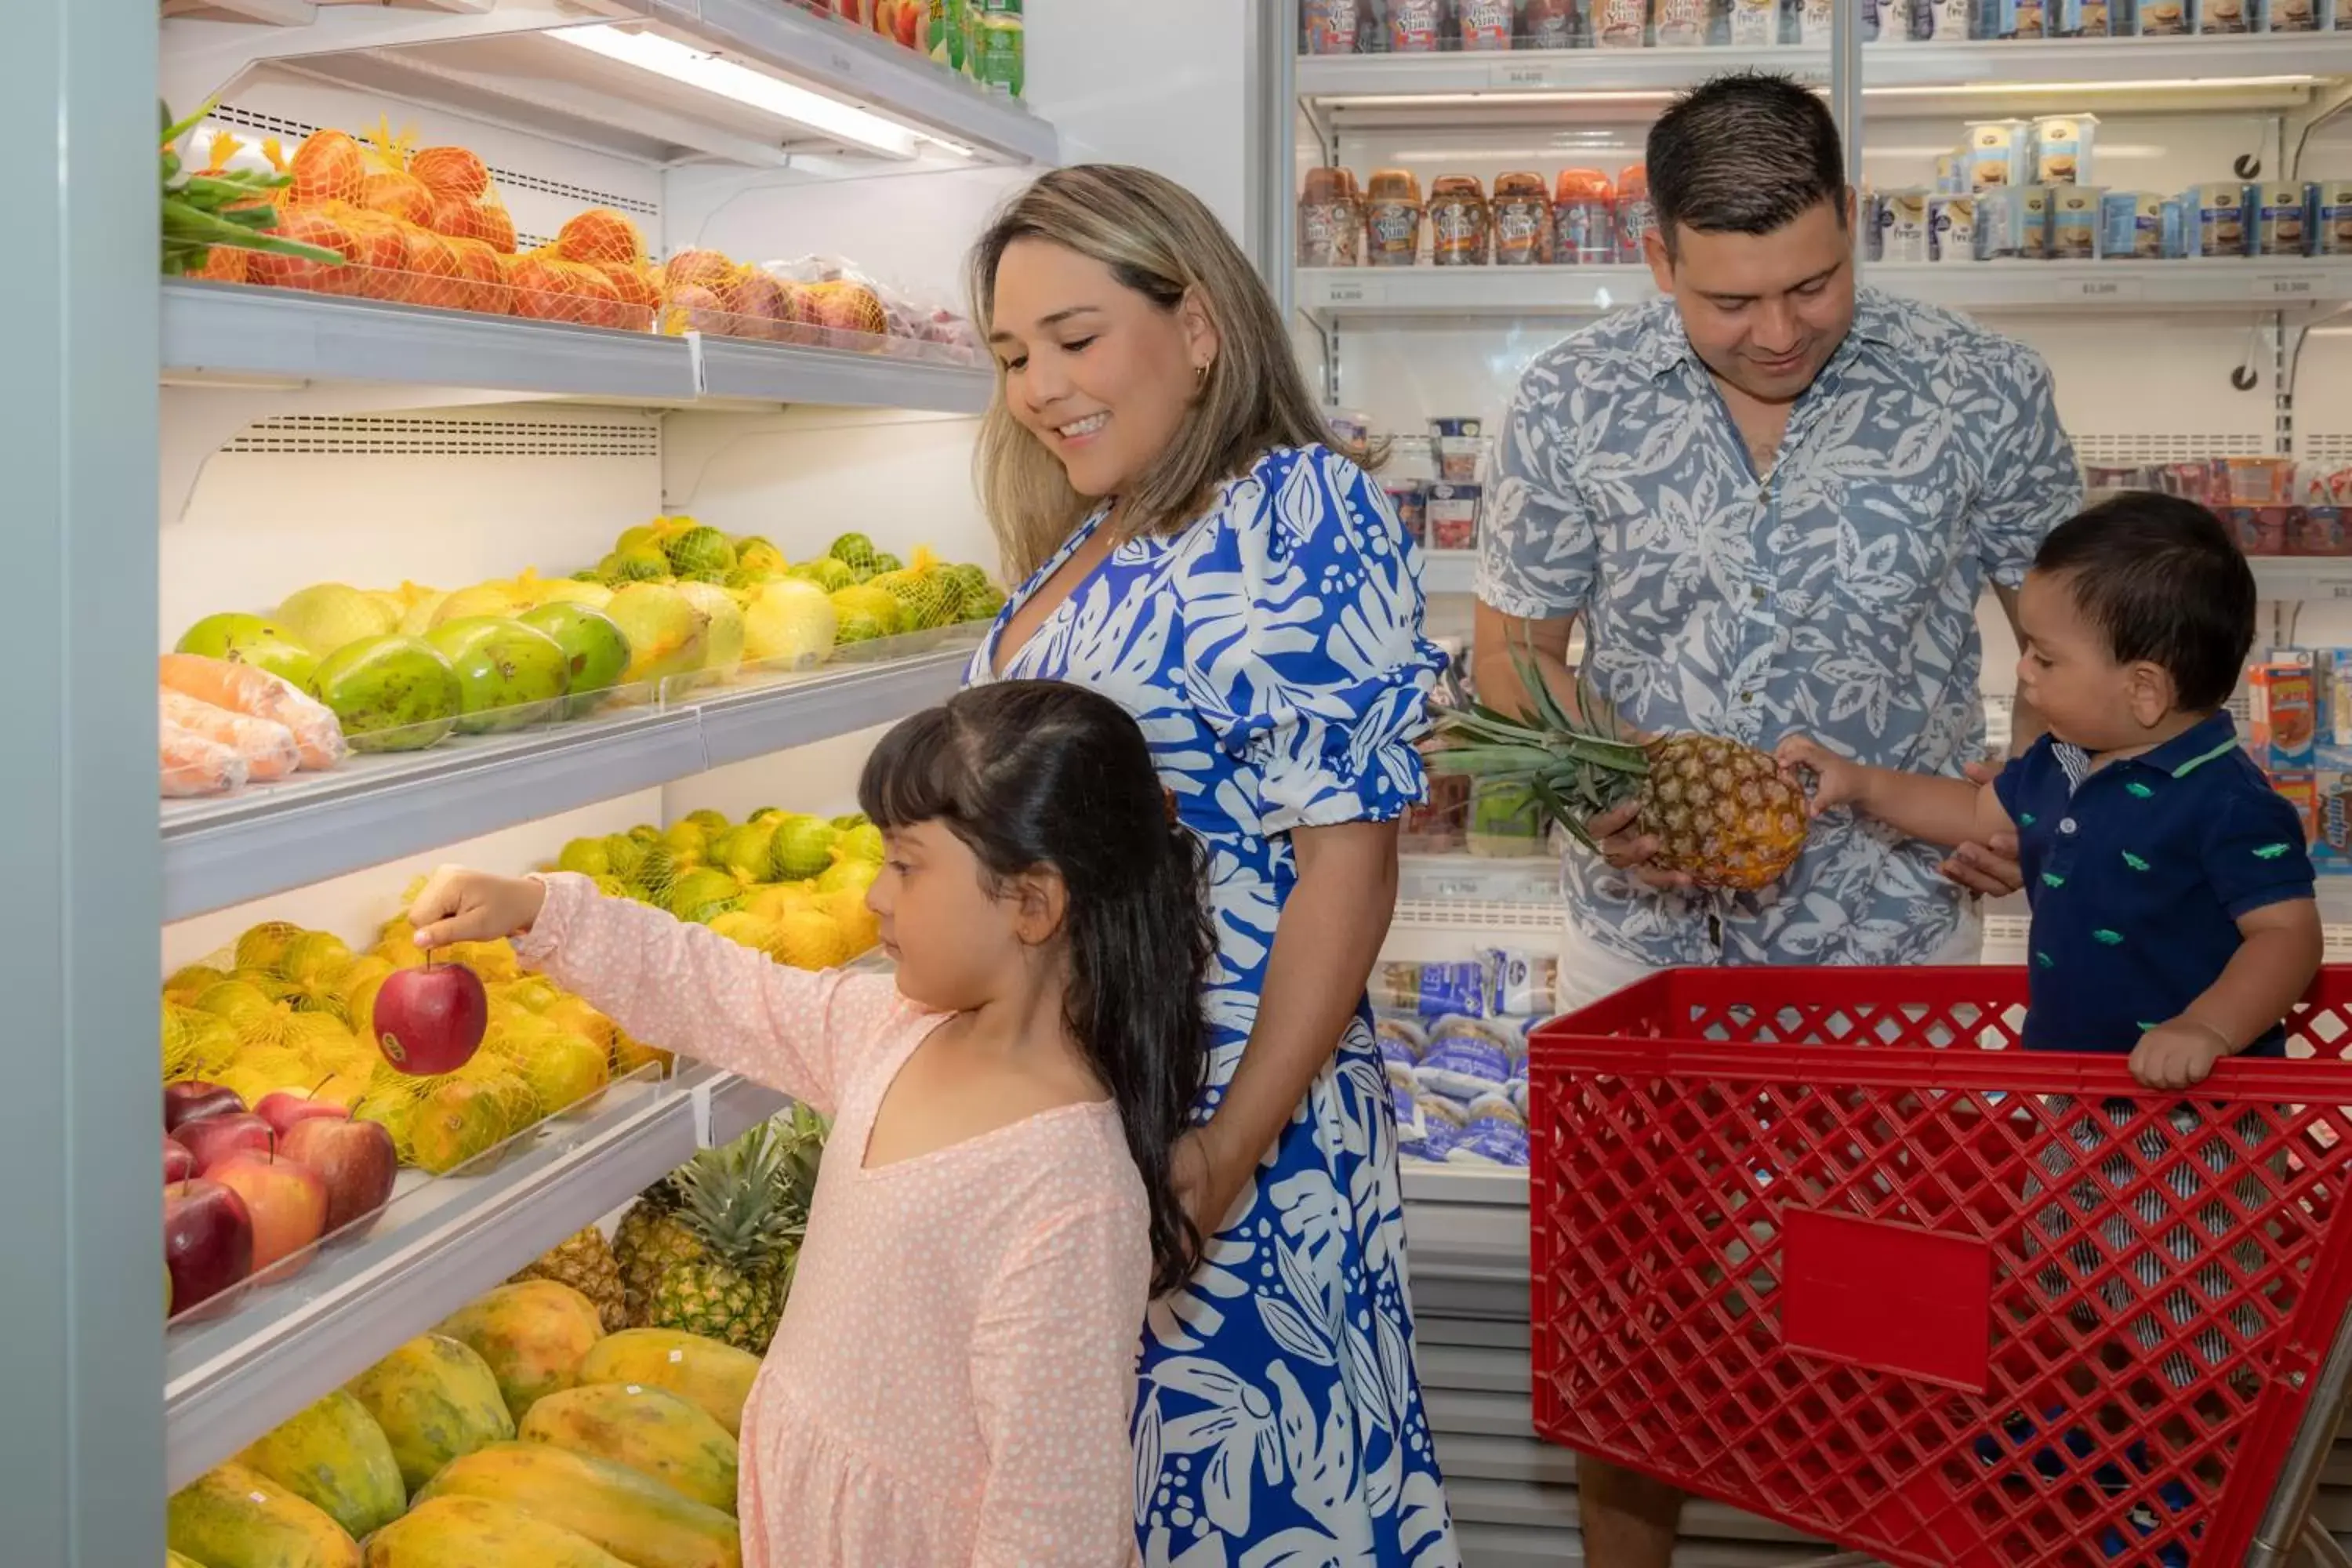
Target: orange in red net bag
451 171
600 236
328 167
433 274
480 263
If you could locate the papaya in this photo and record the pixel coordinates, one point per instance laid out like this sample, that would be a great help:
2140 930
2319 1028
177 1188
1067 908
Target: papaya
532 1334
335 1458
651 1430
474 1533
234 1517
634 1517
717 1377
435 1400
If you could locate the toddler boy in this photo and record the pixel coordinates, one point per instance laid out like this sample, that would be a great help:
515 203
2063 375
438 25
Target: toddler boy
2174 914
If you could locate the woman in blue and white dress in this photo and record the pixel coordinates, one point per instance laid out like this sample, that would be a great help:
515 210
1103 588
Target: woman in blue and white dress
1156 469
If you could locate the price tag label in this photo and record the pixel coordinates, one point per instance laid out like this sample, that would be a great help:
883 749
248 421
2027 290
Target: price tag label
2286 285
842 63
2339 590
1351 293
1525 74
2109 288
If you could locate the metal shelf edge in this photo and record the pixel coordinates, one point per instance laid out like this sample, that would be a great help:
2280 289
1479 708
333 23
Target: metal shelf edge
737 729
212 865
726 368
236 330
225 1389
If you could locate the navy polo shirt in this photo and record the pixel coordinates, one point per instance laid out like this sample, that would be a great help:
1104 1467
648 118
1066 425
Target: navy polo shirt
2137 874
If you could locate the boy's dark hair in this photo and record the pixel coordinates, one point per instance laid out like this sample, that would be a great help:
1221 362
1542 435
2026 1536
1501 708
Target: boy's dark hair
1033 774
2163 579
1748 153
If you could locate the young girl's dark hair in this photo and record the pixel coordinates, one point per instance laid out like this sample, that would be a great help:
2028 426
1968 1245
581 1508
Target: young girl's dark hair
1036 773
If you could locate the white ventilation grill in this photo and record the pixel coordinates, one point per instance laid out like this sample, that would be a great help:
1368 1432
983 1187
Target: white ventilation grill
2326 447
2123 451
1549 919
402 436
294 130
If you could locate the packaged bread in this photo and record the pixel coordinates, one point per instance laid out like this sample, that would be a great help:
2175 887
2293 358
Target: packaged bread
1584 219
1392 219
1523 229
1460 223
1330 220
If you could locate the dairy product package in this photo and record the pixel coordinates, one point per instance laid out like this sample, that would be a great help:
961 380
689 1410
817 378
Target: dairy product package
2283 219
2001 152
2222 225
2332 218
1903 226
2075 213
2220 18
2063 150
2014 222
1756 24
2164 18
2132 226
2019 19
1952 228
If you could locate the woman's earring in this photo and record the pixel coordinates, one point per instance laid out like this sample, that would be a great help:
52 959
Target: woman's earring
1201 373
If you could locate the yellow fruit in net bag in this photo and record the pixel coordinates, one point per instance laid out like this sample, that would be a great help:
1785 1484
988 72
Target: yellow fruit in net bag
564 1069
455 1121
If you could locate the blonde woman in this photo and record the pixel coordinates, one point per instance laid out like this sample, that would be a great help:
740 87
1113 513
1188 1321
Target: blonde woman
1191 545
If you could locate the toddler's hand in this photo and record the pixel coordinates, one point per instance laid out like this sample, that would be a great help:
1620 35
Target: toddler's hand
1837 781
2178 1054
459 905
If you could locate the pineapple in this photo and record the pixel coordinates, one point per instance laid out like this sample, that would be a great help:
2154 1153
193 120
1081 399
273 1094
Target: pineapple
649 1241
584 1261
1722 813
735 1203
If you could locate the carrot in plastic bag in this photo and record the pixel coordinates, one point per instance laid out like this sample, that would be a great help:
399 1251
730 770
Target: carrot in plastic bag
267 748
193 765
256 693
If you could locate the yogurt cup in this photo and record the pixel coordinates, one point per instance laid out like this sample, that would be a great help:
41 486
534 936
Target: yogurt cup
1952 228
2075 213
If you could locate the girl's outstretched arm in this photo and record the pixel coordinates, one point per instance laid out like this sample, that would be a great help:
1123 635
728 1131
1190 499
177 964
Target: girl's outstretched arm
679 986
1053 1380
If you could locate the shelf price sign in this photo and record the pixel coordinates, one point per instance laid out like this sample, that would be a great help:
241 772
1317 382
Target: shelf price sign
2286 285
1523 75
2101 289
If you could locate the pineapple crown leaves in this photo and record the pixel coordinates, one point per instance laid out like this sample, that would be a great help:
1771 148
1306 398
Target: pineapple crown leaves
735 1199
1576 769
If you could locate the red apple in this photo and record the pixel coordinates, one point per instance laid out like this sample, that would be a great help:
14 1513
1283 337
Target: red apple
188 1100
429 1020
282 1108
179 1164
216 1138
286 1198
207 1241
355 1158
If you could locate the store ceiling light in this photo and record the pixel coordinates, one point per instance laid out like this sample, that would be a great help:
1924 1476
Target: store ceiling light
725 79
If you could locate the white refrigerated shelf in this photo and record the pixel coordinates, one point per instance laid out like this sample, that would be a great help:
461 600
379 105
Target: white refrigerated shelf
2287 577
1344 292
499 59
2306 287
269 838
234 335
230 1380
2214 72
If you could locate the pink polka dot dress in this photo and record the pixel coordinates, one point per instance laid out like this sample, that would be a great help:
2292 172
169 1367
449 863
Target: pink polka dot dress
956 1368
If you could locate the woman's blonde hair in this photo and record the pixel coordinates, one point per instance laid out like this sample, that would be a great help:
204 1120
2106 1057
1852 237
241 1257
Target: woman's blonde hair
1160 240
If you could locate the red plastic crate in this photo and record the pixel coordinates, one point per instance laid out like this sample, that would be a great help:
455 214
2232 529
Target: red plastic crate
1798 1244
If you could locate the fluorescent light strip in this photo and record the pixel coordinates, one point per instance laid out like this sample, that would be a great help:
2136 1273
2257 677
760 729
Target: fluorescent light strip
724 79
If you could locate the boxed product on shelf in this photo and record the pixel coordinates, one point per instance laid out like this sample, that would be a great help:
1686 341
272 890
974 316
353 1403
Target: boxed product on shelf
1453 515
1409 498
2063 150
1392 214
1522 221
1460 223
2284 709
1459 1086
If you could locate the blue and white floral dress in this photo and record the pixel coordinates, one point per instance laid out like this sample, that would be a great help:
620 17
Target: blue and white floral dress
1273 653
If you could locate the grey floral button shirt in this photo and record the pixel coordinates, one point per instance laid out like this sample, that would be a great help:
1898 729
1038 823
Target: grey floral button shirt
1835 597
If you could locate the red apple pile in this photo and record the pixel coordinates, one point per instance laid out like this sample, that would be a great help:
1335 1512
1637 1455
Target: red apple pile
249 1193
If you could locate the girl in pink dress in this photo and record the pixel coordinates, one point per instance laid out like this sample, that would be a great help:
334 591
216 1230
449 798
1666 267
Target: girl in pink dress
955 1373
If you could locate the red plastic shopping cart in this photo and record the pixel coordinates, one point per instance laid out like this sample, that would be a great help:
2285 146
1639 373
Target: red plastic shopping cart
1812 1243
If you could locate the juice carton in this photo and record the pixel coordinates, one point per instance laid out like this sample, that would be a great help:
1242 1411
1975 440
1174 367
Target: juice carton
2286 705
2331 823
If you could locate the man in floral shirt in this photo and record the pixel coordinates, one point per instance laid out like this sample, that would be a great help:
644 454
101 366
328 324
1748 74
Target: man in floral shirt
1775 501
